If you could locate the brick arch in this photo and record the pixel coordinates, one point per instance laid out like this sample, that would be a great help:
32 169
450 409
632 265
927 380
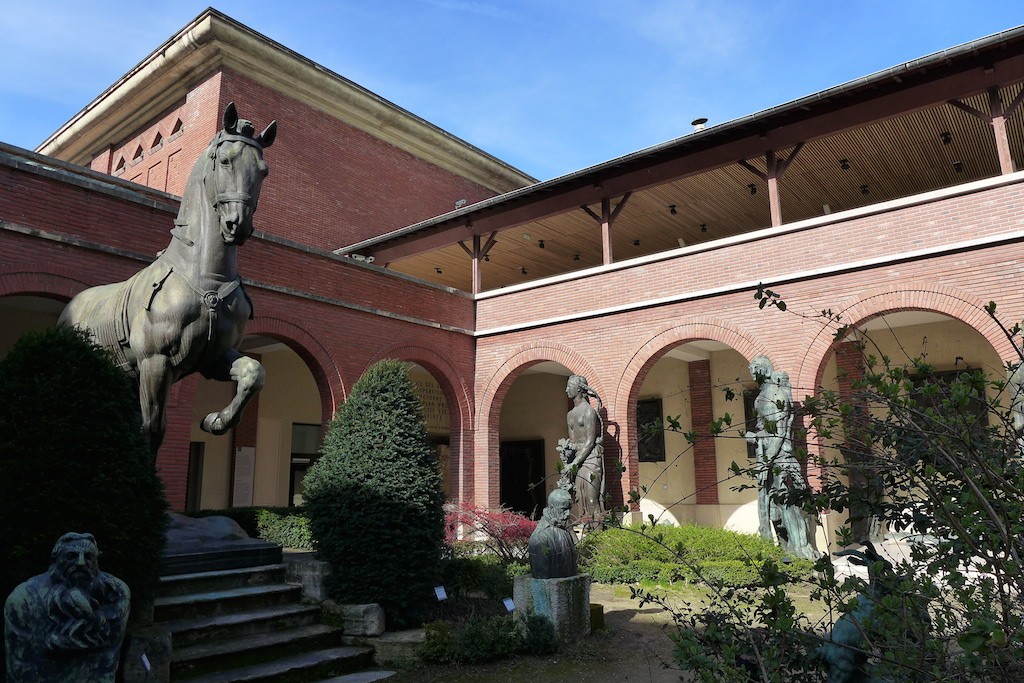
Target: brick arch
658 345
442 369
329 382
43 280
488 442
911 296
456 395
643 359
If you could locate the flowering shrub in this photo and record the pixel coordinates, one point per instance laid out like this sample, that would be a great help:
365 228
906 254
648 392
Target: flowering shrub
504 532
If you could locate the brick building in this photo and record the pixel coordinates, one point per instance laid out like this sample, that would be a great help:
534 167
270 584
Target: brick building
892 200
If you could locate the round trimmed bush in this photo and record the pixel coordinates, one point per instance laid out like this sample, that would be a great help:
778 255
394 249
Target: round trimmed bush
374 499
73 458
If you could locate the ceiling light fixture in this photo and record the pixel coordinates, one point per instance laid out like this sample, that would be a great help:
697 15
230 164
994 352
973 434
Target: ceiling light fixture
540 243
946 137
522 269
864 189
703 227
672 209
438 271
753 188
958 166
487 258
844 164
575 257
636 243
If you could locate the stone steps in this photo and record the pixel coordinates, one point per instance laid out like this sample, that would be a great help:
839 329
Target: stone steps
244 624
226 654
186 632
225 601
200 582
307 666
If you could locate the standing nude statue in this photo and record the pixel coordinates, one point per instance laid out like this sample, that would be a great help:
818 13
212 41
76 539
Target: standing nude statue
779 472
583 452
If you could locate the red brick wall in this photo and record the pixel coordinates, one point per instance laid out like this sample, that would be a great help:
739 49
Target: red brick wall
166 166
321 307
705 465
618 347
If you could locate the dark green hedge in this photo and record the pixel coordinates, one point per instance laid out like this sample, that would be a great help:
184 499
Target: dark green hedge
374 499
73 458
288 526
486 575
686 553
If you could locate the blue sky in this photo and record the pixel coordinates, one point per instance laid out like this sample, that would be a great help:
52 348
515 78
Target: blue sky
550 86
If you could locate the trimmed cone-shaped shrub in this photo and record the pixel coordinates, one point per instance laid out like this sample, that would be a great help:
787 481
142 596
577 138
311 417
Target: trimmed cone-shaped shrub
73 458
374 499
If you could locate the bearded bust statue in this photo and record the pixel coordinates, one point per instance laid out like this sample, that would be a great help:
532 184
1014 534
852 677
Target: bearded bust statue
66 624
552 545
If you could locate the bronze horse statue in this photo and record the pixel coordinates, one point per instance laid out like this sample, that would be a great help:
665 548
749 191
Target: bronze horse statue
187 311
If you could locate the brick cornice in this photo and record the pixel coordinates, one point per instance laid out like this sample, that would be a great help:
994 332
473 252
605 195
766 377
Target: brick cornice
212 42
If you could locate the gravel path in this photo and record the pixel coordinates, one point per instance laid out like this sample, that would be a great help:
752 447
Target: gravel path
633 647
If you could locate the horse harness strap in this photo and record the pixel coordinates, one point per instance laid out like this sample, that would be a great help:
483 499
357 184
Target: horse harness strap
212 298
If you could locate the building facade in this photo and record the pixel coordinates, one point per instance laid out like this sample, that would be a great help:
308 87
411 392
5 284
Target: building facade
892 201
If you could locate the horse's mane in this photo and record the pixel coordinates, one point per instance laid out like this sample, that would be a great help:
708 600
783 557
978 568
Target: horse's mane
193 199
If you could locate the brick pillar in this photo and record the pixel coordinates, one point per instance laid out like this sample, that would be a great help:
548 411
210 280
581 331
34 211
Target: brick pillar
864 480
705 461
172 460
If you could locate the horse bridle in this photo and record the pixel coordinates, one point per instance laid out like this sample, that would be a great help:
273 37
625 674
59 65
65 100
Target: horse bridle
222 137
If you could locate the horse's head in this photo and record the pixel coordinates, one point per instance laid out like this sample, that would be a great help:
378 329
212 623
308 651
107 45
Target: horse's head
238 169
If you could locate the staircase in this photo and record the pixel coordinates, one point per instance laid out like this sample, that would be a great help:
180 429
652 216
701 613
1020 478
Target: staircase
247 624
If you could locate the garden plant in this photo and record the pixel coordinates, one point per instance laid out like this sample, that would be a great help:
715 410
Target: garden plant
905 454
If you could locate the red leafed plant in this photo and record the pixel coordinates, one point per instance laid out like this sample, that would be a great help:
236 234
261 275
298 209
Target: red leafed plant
502 531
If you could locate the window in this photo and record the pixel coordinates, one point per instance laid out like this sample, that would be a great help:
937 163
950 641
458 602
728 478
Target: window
650 431
305 447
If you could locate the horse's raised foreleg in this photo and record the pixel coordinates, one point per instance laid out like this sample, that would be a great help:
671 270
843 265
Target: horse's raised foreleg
247 374
155 379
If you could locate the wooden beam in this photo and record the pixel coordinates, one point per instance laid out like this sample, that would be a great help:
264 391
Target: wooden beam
476 264
620 206
996 117
774 203
998 121
689 160
606 231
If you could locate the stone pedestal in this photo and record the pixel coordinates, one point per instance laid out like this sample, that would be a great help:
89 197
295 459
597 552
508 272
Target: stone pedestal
564 602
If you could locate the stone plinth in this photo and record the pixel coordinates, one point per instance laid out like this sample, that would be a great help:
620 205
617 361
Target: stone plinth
563 602
304 569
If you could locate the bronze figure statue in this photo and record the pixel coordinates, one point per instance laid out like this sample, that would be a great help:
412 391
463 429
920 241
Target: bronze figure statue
780 477
187 311
583 452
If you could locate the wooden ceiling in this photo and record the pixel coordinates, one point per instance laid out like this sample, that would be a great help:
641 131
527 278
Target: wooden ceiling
892 158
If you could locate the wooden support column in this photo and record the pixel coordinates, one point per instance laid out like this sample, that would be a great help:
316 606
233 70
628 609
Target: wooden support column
478 252
606 230
607 219
776 167
998 113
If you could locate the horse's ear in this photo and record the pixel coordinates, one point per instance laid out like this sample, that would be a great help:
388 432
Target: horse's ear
230 117
266 138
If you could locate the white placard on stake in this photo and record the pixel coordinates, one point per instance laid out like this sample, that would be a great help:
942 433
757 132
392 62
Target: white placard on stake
510 605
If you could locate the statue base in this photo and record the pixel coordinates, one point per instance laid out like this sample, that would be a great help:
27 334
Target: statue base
563 602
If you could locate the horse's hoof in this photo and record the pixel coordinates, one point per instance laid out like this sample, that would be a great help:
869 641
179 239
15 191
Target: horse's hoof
213 424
